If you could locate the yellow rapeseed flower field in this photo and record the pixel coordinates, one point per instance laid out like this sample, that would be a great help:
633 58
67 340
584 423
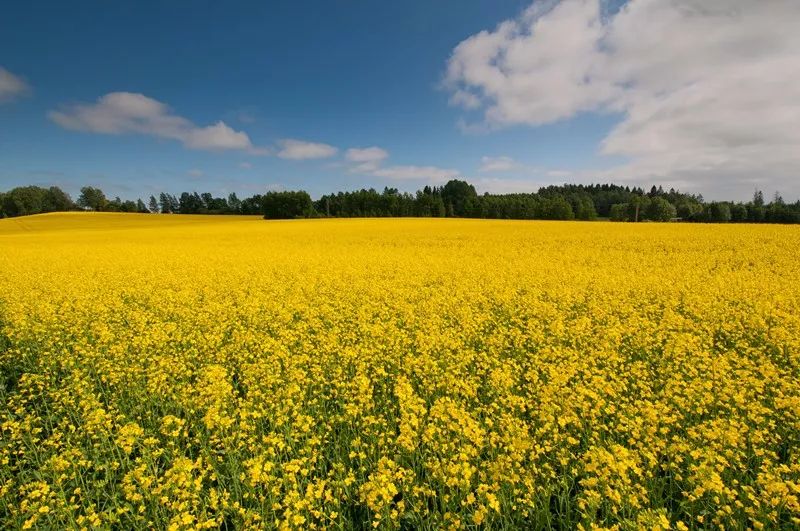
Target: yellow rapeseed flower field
189 372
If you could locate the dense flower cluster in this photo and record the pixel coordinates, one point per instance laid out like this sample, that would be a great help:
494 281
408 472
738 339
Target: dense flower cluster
197 372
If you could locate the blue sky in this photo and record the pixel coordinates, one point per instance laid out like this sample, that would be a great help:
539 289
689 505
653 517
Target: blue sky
324 77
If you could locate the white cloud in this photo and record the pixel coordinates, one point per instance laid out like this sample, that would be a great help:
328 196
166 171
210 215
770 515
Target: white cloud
462 98
128 112
245 165
195 173
367 159
301 150
11 86
217 136
497 164
369 154
708 90
427 173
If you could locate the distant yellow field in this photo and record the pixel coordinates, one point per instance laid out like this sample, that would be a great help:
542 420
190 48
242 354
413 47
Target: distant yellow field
165 371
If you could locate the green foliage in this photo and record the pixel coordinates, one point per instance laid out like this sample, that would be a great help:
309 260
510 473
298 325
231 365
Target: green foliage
557 208
717 212
619 212
456 194
92 198
27 200
738 213
659 209
456 198
688 210
583 206
287 205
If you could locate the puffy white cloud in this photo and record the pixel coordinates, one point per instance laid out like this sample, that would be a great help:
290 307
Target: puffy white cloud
497 164
217 136
245 165
708 90
11 86
301 150
128 112
427 173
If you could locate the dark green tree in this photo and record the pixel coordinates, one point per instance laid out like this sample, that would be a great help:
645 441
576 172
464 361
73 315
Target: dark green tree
165 202
718 212
234 204
24 201
659 209
619 212
738 213
287 205
457 193
57 200
92 198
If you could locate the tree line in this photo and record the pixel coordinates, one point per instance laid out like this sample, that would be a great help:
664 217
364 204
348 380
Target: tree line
456 198
565 202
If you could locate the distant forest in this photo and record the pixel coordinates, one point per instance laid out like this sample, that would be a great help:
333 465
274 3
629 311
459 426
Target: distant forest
455 199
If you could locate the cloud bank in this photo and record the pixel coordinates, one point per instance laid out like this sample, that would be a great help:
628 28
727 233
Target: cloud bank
708 90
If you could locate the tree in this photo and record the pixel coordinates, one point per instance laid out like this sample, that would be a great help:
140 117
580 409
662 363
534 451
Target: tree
738 212
92 198
115 205
57 200
718 213
755 213
688 210
287 205
190 203
152 205
637 203
583 206
758 198
207 201
234 204
619 212
27 200
24 201
557 208
659 209
165 202
127 206
141 208
438 210
457 193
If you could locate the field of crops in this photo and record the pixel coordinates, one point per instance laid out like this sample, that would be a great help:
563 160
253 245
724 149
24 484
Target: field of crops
203 372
